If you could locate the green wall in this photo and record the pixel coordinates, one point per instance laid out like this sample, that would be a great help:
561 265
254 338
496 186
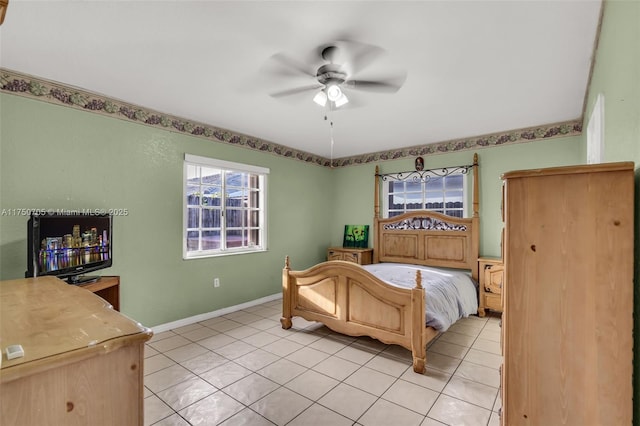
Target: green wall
61 158
616 75
355 184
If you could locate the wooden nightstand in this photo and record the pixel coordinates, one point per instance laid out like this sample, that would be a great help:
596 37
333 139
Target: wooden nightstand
361 256
491 271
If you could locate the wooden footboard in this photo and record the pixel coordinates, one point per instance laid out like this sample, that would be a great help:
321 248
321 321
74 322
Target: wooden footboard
350 300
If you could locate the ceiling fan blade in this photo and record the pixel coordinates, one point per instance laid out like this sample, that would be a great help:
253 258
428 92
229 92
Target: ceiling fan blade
389 85
282 64
295 91
358 56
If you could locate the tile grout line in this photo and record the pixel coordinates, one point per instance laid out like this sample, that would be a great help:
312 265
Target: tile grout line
352 343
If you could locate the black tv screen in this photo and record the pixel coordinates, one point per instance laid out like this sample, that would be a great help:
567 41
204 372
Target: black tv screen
69 245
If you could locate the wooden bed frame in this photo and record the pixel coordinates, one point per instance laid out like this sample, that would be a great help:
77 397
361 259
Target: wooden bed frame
349 300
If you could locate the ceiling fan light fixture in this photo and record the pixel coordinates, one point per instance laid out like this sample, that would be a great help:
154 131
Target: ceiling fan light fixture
341 100
333 92
320 98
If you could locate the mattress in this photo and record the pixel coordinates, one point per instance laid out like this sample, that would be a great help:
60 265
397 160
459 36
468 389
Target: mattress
450 294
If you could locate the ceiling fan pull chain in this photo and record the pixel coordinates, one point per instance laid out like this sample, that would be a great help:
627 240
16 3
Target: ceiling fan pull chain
330 133
332 144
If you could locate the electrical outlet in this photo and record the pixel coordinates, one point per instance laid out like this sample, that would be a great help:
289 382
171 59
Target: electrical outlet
216 282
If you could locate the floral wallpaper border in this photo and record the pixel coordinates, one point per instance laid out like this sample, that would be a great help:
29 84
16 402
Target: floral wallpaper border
33 87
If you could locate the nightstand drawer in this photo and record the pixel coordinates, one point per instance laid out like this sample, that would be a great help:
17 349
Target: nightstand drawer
494 277
493 302
360 256
491 276
353 257
335 255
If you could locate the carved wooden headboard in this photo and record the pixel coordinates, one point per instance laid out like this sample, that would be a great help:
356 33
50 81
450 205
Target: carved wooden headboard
429 238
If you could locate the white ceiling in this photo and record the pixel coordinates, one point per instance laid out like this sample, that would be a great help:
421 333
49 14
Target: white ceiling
473 67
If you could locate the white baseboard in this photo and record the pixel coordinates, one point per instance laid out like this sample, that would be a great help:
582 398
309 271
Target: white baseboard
202 317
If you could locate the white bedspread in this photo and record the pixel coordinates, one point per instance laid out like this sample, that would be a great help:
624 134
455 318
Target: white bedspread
450 294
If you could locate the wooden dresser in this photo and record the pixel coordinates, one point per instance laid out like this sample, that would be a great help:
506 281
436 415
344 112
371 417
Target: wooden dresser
82 363
568 299
361 256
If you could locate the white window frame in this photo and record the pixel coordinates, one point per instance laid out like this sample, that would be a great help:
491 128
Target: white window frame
465 194
225 166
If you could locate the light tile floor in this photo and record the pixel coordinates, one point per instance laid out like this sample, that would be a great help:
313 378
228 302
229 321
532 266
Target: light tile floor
244 369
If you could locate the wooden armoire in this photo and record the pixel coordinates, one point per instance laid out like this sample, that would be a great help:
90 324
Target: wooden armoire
568 301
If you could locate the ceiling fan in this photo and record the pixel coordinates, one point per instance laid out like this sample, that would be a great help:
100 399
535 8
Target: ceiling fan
342 60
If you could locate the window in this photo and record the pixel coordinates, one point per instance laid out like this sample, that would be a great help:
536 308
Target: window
442 194
224 207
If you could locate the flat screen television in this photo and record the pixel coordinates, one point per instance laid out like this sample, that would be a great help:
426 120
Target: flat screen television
69 245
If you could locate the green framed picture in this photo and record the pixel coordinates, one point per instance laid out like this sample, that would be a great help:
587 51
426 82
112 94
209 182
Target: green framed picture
356 236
